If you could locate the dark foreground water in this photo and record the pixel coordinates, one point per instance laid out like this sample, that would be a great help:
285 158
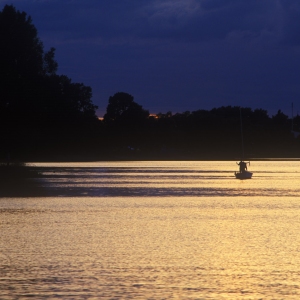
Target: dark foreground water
154 230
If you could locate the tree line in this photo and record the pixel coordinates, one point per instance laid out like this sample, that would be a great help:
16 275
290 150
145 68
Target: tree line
47 116
227 132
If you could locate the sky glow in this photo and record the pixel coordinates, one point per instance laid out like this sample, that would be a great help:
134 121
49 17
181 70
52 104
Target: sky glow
179 55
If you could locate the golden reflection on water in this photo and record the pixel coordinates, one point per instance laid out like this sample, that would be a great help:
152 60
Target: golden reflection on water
149 247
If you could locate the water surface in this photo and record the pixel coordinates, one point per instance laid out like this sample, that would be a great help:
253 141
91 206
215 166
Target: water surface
154 230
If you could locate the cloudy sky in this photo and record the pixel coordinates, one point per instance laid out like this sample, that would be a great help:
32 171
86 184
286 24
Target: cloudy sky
176 55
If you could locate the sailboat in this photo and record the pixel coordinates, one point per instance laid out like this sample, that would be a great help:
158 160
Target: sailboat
243 172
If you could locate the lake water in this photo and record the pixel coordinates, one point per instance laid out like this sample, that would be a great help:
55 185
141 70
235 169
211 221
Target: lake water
154 230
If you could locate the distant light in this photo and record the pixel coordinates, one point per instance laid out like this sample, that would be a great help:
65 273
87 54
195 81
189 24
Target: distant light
153 116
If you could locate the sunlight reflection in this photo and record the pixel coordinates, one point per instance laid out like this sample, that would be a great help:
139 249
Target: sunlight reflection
119 232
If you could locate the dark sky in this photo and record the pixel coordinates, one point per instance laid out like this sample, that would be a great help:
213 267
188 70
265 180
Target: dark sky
176 55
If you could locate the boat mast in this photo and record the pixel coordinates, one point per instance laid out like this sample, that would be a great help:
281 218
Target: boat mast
242 133
292 116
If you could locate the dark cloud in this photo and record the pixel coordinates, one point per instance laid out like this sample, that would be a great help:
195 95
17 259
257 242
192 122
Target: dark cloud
176 55
200 21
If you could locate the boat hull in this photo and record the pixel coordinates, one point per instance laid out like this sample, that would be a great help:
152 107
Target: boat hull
243 175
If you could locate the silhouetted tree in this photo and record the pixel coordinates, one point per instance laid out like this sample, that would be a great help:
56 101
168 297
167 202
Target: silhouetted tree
22 58
50 65
280 121
122 110
37 106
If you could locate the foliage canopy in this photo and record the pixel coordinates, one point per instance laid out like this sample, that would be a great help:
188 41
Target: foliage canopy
35 102
122 110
